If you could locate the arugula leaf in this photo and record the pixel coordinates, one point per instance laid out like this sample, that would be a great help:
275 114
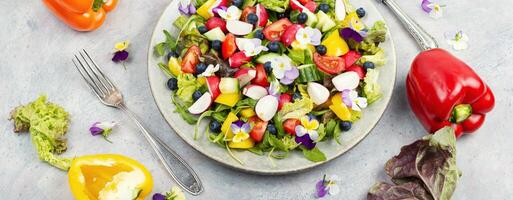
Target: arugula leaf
321 132
275 142
165 69
256 151
182 110
330 127
336 133
278 124
170 41
314 155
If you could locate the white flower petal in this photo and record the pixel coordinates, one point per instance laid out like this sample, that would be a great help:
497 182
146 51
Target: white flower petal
313 134
333 190
233 13
353 95
335 178
361 102
106 125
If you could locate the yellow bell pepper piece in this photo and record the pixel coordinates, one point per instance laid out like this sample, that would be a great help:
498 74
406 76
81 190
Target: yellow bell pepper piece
202 80
98 177
335 45
174 66
204 10
244 144
225 128
247 112
339 108
228 99
352 20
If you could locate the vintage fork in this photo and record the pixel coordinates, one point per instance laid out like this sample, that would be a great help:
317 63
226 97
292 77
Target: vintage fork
109 95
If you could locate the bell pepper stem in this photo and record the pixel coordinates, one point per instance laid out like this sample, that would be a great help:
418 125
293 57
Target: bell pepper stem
460 113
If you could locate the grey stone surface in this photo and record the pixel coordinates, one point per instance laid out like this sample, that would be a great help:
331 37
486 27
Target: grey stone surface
35 58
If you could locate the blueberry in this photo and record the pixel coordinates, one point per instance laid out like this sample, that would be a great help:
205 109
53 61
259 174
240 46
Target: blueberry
238 3
274 47
360 12
268 67
259 34
215 126
281 15
296 96
196 95
252 18
172 54
200 68
368 65
216 45
345 125
172 84
321 49
324 7
272 129
302 18
202 29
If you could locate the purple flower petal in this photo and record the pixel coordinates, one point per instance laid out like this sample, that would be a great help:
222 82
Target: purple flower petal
349 33
346 99
120 56
425 6
286 81
321 189
216 9
158 196
293 73
95 130
183 9
246 127
192 9
305 141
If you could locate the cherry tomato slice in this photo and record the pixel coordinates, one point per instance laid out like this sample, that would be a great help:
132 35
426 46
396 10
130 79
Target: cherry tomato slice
274 31
228 47
290 126
261 76
258 130
328 64
191 59
284 98
351 57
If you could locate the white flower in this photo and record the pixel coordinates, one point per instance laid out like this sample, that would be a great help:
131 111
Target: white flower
357 103
280 65
331 184
211 69
309 35
250 47
437 11
458 40
232 13
176 194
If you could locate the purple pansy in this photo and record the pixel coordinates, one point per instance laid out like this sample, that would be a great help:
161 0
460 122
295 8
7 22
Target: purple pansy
320 189
349 33
120 56
346 98
305 141
217 9
290 76
186 7
102 128
240 130
158 196
328 185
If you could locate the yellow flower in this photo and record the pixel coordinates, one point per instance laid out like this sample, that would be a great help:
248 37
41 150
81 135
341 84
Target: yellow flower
309 124
120 46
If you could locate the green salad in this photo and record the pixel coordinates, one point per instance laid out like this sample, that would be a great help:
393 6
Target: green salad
274 76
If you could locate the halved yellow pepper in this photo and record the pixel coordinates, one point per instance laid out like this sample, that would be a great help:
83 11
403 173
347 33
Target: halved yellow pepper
225 128
247 112
228 99
335 45
204 10
98 177
174 66
339 108
352 20
244 144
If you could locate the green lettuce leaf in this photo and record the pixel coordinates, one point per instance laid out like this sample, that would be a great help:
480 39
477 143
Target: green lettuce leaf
314 155
377 33
275 5
47 123
371 87
187 84
297 109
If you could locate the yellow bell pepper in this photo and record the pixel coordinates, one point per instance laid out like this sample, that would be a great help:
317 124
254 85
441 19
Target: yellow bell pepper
202 80
228 99
352 20
339 108
247 112
108 176
244 144
174 66
225 128
205 9
335 45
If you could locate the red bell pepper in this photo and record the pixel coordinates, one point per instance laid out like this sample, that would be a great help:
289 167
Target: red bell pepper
444 91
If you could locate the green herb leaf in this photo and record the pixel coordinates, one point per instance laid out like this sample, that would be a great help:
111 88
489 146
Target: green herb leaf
275 142
160 49
182 110
337 132
314 155
165 69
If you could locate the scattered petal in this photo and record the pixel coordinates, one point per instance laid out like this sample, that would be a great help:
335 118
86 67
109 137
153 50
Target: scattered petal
425 6
457 40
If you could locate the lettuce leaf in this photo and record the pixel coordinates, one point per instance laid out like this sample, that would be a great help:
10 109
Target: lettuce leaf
275 5
187 84
297 109
371 87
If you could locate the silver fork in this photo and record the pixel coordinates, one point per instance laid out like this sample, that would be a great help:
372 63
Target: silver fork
109 95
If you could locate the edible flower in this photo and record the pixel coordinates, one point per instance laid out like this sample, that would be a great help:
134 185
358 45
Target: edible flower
240 130
352 33
121 55
274 88
283 70
353 101
433 8
102 128
458 40
186 7
232 13
327 186
250 47
175 194
306 133
211 70
217 9
309 35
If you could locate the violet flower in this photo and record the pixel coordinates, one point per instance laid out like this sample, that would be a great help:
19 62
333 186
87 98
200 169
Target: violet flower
186 7
328 185
121 55
158 196
102 128
289 76
433 8
305 141
274 88
219 8
240 130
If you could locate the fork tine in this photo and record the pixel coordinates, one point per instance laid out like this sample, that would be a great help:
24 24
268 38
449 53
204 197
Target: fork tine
102 84
99 71
97 93
91 79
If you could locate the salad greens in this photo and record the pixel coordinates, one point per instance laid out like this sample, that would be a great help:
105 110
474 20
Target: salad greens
47 124
425 169
276 83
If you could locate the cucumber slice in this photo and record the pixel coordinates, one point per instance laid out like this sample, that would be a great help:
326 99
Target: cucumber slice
229 85
312 19
308 73
215 34
324 23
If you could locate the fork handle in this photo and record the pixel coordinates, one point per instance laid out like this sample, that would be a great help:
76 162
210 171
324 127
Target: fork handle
423 38
181 172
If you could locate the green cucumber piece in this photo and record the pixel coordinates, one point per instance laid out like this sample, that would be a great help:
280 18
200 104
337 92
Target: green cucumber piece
324 23
229 85
308 73
215 34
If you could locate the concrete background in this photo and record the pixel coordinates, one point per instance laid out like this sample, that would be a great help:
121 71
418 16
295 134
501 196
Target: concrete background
35 58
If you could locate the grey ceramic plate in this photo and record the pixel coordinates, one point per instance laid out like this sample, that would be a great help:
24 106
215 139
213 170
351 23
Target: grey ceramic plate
252 162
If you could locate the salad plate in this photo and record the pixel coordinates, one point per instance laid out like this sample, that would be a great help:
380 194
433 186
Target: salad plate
249 161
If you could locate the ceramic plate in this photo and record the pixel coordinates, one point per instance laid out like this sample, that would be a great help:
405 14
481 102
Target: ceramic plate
260 164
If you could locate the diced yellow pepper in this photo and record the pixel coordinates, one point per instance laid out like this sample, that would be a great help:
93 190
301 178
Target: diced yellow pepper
352 20
225 128
247 112
339 108
228 99
335 45
174 66
204 10
244 144
202 80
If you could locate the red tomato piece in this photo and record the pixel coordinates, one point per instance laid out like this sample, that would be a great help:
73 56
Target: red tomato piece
274 31
258 130
358 69
351 57
261 76
284 98
228 47
311 6
191 59
290 126
289 35
328 64
238 59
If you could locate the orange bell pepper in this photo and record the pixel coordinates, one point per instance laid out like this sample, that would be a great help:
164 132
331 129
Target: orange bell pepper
81 15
